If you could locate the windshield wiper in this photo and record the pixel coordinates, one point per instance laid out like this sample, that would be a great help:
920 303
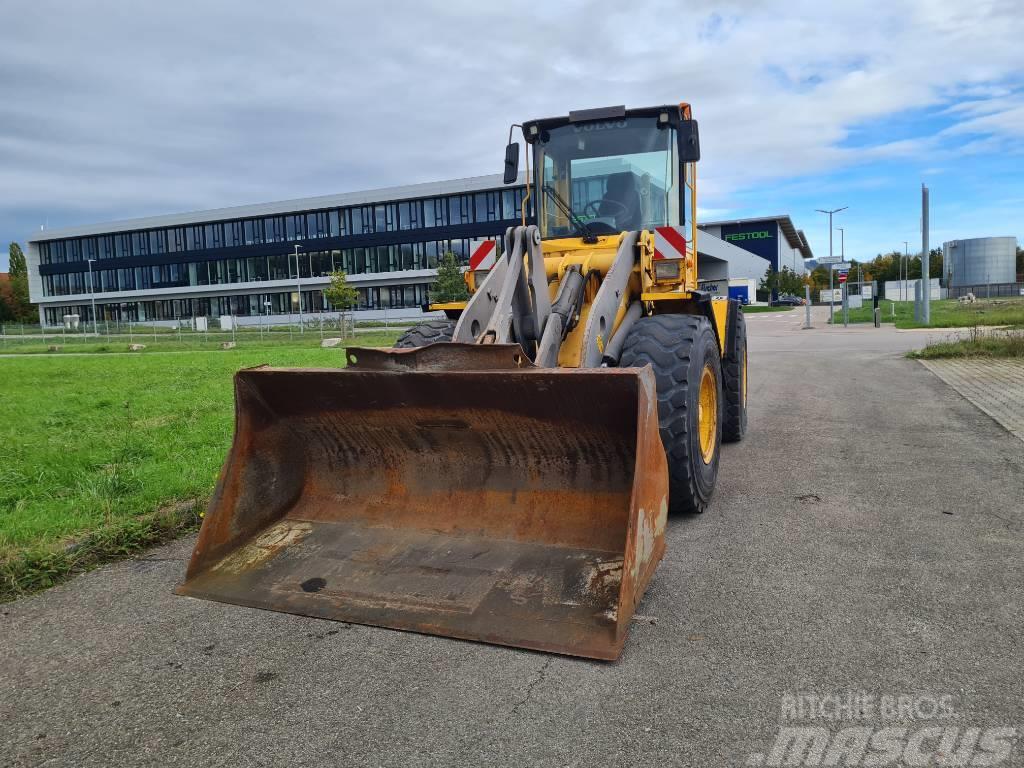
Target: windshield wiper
581 228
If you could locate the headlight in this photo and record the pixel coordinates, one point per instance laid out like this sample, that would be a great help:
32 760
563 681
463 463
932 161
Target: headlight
666 269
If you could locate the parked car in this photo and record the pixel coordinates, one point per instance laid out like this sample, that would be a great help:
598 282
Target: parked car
787 300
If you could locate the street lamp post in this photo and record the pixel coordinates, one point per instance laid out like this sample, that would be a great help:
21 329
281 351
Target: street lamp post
831 270
298 286
92 292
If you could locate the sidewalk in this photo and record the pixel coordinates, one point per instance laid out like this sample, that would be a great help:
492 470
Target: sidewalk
994 386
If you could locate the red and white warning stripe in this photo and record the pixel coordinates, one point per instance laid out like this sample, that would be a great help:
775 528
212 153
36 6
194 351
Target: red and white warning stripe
482 254
669 243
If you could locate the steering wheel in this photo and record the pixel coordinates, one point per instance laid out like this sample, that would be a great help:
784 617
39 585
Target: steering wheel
595 204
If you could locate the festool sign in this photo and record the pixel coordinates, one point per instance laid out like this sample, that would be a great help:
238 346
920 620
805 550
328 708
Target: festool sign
757 237
761 235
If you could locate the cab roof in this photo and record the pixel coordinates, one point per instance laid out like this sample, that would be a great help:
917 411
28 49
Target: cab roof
601 114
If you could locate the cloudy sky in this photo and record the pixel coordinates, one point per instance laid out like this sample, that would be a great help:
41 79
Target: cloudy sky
112 110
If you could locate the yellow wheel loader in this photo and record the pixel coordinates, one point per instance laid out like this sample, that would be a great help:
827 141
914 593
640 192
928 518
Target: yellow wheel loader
504 474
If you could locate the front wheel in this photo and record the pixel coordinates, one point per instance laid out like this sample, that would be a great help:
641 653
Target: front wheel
683 352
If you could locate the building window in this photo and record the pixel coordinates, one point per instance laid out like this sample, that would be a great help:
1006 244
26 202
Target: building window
435 212
460 209
214 235
336 223
385 217
362 220
157 241
317 224
140 244
488 206
194 238
273 228
510 203
294 226
410 214
253 231
233 233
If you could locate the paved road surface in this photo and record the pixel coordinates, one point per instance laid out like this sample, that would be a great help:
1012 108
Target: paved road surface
867 536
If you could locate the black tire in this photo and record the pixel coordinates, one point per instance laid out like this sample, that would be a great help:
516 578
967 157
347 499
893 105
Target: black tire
678 347
734 385
427 332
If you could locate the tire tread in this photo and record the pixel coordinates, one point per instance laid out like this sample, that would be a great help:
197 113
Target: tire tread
426 332
666 343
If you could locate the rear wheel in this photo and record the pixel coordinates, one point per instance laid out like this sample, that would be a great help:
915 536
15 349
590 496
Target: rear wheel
427 332
683 352
734 384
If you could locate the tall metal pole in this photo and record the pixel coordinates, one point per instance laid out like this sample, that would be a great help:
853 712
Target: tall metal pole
831 266
92 291
926 288
298 286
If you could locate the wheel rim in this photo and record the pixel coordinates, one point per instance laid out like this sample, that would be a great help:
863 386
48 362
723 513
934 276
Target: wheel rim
707 414
744 379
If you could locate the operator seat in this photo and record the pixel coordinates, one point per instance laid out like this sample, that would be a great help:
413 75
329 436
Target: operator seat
621 201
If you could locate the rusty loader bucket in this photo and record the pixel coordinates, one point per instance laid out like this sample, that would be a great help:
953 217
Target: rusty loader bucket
497 502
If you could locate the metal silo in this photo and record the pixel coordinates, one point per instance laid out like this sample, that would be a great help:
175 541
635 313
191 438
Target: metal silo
980 261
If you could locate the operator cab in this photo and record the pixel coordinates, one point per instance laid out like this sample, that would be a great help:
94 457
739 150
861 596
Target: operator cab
605 171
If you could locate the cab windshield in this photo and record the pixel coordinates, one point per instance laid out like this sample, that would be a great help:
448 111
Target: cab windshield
605 177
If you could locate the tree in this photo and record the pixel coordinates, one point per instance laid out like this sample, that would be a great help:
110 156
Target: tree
450 285
784 281
339 293
818 279
6 301
1020 264
18 303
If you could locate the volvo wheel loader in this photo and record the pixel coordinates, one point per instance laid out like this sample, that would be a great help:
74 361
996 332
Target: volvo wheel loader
504 474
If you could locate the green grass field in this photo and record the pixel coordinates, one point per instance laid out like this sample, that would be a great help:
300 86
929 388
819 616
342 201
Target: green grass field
104 454
947 313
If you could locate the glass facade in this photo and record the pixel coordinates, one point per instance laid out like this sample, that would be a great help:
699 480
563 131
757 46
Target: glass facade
370 239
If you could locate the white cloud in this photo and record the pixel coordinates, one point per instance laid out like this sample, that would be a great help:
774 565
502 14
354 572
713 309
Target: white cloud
112 110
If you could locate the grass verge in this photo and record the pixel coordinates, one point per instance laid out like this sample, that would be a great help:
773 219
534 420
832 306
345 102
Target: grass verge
945 313
979 343
104 455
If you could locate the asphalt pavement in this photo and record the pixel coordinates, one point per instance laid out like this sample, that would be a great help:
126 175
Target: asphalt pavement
865 537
